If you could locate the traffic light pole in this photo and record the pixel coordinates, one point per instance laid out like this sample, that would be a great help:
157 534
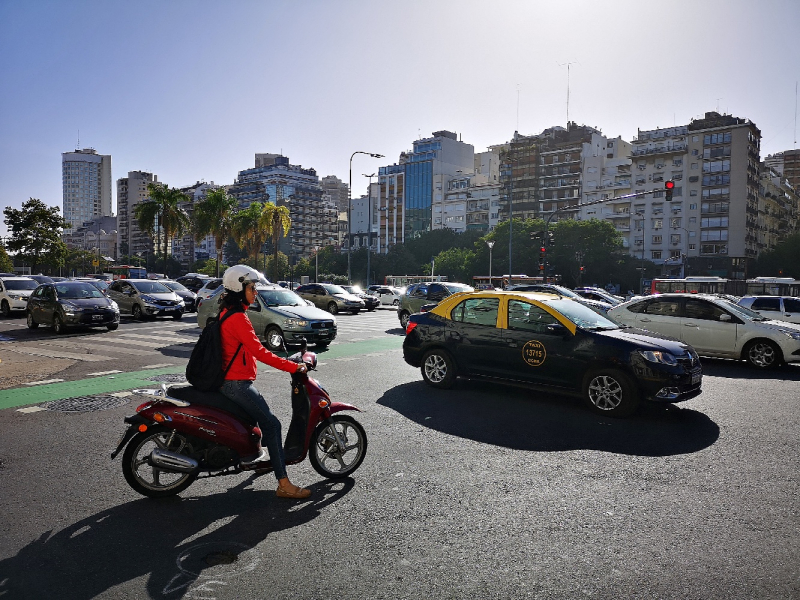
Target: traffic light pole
669 185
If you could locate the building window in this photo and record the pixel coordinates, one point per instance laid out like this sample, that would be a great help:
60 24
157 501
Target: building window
656 254
656 239
693 192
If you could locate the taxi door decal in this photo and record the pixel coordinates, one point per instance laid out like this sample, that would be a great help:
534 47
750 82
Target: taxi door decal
534 353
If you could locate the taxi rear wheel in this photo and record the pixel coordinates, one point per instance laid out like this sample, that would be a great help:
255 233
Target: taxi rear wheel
610 392
438 369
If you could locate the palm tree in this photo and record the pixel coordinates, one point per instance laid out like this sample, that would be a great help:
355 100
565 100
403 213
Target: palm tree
275 220
163 210
215 215
247 230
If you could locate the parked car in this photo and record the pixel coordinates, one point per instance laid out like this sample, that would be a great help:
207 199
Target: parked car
388 295
208 287
592 293
714 327
14 294
189 297
549 343
778 308
332 298
370 301
421 294
279 315
550 288
193 281
146 299
65 304
40 279
100 284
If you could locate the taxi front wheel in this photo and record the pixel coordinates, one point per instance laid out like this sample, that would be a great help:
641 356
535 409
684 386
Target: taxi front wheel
438 369
610 392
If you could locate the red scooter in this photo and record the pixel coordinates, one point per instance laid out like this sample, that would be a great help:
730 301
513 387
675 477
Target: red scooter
181 433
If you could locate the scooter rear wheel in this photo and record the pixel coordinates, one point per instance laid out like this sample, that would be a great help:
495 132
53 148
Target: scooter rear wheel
324 453
147 479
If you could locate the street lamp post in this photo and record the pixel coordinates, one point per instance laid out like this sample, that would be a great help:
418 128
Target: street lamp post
316 264
490 243
349 202
369 222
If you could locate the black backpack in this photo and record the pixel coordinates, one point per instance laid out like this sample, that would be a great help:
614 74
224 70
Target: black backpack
204 370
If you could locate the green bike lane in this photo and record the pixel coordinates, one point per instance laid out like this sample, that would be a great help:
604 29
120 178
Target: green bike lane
120 382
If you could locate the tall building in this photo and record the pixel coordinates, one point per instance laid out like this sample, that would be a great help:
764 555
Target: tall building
98 235
390 206
337 190
314 220
132 190
786 164
86 183
778 203
186 249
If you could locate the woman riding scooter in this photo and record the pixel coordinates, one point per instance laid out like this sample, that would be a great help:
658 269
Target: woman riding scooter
239 336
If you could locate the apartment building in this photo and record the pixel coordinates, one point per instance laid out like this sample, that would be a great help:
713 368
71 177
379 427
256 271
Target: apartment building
778 203
786 164
97 235
132 190
274 179
185 249
336 190
390 206
86 185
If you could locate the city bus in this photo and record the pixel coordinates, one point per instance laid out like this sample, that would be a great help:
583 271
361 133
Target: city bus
407 280
758 286
127 272
483 282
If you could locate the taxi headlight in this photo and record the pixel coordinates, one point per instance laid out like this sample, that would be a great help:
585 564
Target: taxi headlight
295 323
656 356
795 335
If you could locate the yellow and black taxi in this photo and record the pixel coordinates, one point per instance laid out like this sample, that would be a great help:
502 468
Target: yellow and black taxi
550 343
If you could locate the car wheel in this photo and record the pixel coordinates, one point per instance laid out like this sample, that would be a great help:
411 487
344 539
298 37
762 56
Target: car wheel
333 308
136 311
274 338
438 369
395 302
58 325
404 316
763 354
32 324
5 309
177 317
609 392
322 345
113 326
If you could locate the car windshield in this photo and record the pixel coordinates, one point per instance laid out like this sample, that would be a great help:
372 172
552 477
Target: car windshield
353 289
151 287
564 292
583 316
281 298
175 286
21 284
454 288
745 312
99 284
334 289
77 291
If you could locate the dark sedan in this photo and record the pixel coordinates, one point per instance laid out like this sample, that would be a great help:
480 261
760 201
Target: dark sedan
188 296
549 343
66 304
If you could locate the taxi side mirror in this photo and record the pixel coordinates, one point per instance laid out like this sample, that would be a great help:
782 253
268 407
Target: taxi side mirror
557 329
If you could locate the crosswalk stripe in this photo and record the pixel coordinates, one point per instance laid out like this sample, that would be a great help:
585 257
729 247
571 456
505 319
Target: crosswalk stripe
56 354
174 338
101 348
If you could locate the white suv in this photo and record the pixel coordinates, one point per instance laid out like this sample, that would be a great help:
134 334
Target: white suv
714 327
14 293
779 308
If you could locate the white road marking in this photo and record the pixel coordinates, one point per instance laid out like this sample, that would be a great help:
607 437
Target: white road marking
55 354
43 382
102 373
30 409
157 366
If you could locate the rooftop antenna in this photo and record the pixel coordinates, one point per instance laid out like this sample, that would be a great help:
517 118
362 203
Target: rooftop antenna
568 65
78 147
718 99
517 107
795 115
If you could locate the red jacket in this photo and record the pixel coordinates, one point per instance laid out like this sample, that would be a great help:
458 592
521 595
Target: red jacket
237 329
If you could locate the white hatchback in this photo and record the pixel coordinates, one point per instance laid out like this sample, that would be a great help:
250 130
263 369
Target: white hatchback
714 327
14 293
779 308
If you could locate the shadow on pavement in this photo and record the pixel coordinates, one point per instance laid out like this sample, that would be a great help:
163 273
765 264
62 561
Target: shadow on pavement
525 420
737 369
174 541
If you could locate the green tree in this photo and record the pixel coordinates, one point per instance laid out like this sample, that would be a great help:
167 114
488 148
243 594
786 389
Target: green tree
163 211
782 261
594 244
36 233
248 232
275 220
455 264
6 264
215 216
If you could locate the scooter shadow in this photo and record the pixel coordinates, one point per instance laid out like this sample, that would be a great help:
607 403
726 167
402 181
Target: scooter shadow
173 541
527 420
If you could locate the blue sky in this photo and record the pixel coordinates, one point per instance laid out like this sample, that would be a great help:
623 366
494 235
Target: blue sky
192 90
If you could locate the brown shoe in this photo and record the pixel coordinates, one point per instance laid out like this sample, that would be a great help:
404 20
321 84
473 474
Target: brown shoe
292 491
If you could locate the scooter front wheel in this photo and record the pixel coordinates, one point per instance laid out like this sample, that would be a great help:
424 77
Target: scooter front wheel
143 476
325 454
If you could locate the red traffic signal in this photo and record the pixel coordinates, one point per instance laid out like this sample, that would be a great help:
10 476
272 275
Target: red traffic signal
542 249
669 186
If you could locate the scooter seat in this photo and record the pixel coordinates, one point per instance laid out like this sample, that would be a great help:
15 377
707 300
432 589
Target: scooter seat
212 399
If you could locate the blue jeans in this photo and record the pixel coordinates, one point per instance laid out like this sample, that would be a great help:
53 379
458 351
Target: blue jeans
245 394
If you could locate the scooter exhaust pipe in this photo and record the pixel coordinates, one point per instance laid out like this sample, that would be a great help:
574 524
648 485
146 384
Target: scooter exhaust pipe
172 461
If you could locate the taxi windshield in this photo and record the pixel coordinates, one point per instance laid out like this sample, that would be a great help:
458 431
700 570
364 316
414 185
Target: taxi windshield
583 316
281 298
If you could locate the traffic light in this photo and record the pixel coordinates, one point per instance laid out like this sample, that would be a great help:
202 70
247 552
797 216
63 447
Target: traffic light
669 186
542 254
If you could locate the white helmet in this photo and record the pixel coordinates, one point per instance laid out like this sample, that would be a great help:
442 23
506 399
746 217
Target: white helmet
235 278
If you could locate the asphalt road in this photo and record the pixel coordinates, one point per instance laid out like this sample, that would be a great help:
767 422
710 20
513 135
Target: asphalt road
482 491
